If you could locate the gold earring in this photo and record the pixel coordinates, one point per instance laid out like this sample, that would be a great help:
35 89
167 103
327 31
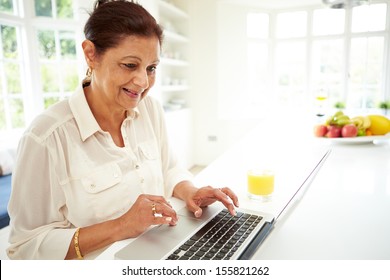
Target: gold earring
89 72
87 79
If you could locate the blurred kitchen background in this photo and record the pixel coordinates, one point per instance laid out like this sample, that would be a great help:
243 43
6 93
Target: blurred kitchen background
226 65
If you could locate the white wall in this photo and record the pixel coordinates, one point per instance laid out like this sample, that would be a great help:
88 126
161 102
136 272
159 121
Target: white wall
205 49
204 63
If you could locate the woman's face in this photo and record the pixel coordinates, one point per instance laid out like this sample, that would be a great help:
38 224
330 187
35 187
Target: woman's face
123 75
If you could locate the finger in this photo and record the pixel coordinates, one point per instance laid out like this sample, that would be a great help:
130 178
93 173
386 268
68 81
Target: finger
194 208
162 220
164 210
225 200
159 199
232 195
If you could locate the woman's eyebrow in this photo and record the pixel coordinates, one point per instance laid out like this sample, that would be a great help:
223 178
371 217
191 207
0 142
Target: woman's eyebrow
156 61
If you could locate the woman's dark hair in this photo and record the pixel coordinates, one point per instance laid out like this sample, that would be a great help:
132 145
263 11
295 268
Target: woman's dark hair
112 20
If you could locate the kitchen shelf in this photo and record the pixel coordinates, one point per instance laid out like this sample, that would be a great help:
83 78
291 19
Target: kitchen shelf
173 62
172 10
172 86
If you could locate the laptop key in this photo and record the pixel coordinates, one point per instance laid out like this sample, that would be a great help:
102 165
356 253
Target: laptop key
199 253
173 257
188 254
189 242
184 247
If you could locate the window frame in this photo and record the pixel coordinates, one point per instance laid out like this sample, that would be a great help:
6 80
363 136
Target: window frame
346 37
25 20
309 39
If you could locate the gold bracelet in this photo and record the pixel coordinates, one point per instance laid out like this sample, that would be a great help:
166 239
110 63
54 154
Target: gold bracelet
76 244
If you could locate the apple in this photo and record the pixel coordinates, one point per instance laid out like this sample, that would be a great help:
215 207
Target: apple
349 130
320 130
334 131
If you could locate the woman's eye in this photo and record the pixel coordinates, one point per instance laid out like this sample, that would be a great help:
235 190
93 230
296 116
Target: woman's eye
131 65
152 69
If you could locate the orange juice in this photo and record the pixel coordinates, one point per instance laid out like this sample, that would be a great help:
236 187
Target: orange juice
261 183
321 98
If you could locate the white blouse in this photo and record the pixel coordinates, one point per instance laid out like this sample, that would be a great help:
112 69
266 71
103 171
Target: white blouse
69 173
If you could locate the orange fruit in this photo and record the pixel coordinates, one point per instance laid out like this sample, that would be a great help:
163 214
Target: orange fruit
380 125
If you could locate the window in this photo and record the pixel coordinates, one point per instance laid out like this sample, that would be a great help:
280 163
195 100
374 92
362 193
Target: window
7 7
290 72
12 91
308 54
366 72
54 8
58 65
38 58
327 70
323 26
257 61
291 24
369 18
258 25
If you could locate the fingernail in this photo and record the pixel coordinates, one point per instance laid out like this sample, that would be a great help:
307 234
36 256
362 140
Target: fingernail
198 213
168 219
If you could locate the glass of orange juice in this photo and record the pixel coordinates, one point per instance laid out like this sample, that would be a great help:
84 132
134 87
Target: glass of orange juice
261 183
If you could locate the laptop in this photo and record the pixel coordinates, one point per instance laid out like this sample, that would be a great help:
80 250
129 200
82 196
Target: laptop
216 235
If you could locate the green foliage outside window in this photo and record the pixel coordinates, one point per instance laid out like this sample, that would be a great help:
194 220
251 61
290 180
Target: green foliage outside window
13 76
58 66
17 114
71 78
68 45
50 101
64 8
43 8
2 115
49 78
47 45
6 6
9 42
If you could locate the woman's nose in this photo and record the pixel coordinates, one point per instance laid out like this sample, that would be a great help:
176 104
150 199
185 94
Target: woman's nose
141 79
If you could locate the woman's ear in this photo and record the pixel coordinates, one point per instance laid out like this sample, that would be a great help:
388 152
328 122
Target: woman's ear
89 52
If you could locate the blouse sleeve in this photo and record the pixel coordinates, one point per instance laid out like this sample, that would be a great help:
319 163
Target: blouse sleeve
38 228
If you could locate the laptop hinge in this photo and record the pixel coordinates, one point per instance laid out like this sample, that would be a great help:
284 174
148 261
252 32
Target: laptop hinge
256 241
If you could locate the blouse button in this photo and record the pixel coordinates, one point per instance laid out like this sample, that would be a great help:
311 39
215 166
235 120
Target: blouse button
93 186
115 175
136 166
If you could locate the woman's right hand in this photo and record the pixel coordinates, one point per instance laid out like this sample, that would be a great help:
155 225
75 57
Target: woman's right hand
147 210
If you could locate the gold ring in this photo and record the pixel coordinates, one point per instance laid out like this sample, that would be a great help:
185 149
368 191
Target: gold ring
154 209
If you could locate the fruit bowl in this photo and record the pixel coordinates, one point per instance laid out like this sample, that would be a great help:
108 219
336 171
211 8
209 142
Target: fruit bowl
340 128
357 140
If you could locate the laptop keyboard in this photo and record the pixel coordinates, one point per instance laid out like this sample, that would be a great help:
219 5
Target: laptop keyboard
219 239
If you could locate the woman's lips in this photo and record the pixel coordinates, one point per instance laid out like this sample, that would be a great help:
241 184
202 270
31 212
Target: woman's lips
131 93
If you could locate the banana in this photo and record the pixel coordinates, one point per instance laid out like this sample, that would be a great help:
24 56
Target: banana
366 122
358 121
361 122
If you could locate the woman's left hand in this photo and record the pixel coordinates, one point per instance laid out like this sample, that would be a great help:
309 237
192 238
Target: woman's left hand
208 195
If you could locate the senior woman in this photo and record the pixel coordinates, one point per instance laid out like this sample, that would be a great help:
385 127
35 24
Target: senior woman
96 168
